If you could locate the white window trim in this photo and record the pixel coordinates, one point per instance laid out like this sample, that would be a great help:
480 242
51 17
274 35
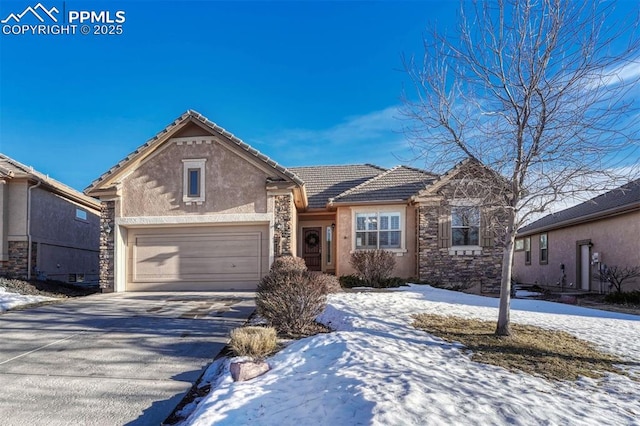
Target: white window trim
195 163
402 210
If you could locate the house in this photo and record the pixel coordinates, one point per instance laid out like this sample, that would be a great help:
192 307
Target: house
196 208
565 249
47 229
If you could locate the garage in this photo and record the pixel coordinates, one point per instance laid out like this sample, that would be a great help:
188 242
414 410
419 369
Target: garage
203 258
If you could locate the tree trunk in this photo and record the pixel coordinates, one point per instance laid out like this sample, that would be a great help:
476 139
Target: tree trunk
503 328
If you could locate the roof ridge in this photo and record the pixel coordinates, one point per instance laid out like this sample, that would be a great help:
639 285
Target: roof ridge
339 165
373 179
416 169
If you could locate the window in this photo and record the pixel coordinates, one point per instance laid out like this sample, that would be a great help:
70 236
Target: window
379 230
520 245
81 214
544 249
527 251
465 226
193 188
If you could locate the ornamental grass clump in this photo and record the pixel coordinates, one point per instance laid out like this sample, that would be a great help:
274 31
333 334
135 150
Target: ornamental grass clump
254 342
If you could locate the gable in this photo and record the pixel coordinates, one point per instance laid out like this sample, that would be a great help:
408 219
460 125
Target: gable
190 125
232 184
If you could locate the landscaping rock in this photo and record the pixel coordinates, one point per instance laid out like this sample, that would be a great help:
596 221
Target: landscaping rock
243 371
569 299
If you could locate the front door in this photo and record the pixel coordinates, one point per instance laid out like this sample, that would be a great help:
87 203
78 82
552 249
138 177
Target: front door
312 248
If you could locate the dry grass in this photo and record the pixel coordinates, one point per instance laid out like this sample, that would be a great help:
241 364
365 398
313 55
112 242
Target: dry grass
254 342
554 355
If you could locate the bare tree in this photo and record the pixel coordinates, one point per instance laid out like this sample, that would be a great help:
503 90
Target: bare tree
617 275
538 91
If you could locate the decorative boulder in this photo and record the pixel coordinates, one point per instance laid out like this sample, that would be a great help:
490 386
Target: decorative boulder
242 371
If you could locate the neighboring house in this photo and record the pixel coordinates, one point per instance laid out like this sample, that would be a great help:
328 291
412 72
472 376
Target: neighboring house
565 249
196 208
47 230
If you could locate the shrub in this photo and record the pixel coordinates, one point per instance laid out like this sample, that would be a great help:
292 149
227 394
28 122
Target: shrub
630 298
373 266
289 263
290 301
351 281
254 342
329 283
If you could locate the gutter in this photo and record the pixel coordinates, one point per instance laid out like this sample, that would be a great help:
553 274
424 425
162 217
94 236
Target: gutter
29 227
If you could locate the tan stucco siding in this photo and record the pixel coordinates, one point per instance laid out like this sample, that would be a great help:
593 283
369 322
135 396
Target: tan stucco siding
345 234
17 198
232 184
614 239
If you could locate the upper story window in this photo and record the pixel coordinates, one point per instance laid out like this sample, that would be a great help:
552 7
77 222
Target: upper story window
544 249
378 230
519 245
465 226
193 181
81 214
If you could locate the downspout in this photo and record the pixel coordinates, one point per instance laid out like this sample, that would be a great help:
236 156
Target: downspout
29 227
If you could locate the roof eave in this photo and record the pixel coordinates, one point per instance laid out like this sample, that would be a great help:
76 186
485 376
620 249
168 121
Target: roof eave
627 208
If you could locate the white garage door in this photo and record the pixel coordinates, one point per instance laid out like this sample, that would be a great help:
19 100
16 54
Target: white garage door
197 258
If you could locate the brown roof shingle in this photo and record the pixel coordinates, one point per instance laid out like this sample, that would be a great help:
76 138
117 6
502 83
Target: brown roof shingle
325 182
397 184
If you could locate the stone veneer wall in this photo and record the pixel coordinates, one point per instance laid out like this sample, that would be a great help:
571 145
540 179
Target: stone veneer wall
16 266
107 244
283 223
437 265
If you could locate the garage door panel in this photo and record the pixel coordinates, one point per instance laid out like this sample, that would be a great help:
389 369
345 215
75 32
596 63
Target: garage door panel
227 245
201 268
204 258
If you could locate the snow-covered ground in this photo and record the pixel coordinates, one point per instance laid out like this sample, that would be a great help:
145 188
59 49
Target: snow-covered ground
377 369
10 300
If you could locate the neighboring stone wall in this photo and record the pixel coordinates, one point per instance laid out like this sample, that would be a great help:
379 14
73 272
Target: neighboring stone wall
17 265
438 266
282 233
107 244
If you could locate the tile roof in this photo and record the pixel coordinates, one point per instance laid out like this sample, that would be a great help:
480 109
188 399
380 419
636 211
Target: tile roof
626 195
398 183
10 168
324 182
211 125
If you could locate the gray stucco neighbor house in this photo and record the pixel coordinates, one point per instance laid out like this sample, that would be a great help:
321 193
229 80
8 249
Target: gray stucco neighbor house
566 248
47 229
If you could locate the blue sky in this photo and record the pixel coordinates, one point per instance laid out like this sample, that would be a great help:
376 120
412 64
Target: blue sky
304 82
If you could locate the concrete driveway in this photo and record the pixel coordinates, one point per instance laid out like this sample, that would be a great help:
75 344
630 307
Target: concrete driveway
111 359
